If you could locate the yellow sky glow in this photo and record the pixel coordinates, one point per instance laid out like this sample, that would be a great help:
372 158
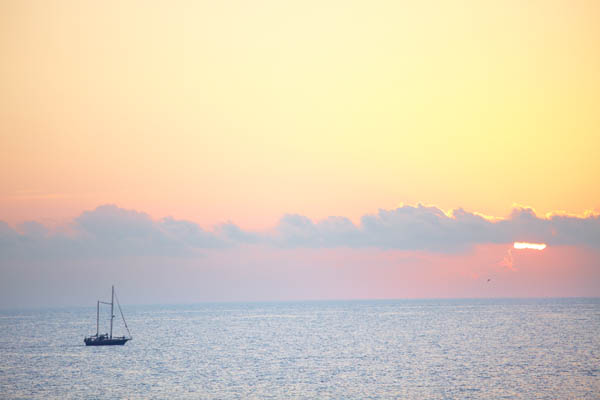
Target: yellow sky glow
243 111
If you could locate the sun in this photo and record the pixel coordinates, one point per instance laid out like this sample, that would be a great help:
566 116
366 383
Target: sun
525 245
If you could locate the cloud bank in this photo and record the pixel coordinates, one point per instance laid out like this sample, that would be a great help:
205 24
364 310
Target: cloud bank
110 231
402 253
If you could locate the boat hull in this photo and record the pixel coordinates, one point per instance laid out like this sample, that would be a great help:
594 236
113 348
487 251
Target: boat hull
105 342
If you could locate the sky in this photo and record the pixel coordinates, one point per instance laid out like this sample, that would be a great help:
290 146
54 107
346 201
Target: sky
240 151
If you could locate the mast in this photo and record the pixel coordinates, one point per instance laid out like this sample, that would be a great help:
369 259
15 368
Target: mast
112 304
97 317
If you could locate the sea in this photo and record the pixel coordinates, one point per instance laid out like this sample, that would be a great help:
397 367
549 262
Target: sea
376 349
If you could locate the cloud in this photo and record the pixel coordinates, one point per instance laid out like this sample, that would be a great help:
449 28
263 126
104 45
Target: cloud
524 225
405 252
296 230
110 231
428 228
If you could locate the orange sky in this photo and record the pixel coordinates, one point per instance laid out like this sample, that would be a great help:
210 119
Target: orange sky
244 111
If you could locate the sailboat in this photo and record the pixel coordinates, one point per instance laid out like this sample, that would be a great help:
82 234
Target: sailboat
106 339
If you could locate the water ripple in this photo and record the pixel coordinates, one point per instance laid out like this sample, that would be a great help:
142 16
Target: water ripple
435 349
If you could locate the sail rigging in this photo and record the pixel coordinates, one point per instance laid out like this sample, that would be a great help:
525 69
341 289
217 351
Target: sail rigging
122 316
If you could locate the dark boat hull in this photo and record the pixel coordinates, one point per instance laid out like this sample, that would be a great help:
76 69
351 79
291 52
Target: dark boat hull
105 342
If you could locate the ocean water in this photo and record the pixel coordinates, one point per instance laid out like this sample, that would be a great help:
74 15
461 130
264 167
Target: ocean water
408 349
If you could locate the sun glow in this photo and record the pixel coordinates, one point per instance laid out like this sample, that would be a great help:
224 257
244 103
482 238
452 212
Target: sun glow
525 245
